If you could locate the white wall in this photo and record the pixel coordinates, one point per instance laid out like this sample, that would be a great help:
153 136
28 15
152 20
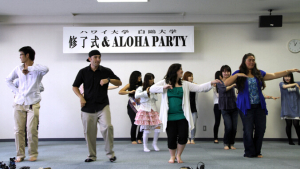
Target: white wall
215 45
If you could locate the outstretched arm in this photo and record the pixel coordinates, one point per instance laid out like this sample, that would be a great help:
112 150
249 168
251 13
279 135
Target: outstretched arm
270 97
271 76
124 91
112 87
159 87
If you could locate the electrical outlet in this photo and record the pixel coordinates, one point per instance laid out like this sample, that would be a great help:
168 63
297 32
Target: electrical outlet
204 128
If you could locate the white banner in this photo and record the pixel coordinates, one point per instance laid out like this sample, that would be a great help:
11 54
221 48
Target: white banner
145 39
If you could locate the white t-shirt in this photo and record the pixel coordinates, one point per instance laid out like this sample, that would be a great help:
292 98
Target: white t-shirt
216 96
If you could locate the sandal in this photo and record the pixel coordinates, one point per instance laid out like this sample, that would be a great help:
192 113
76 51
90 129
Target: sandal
140 142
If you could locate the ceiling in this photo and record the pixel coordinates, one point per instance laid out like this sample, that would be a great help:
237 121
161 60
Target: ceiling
67 7
184 7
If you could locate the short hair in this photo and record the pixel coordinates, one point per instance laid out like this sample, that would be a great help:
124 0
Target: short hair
225 68
186 75
28 50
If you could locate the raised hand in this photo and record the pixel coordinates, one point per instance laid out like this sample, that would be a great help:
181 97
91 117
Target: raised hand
25 71
215 81
103 82
295 70
138 100
132 91
168 86
148 90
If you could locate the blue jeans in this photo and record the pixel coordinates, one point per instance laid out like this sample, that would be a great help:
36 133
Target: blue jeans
193 132
230 122
255 119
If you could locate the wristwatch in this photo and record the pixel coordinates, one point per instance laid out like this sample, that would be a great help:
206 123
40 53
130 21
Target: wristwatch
108 79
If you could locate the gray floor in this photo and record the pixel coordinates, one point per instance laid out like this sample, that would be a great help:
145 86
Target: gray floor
71 154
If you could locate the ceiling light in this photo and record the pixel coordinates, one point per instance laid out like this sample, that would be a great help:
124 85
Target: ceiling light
122 0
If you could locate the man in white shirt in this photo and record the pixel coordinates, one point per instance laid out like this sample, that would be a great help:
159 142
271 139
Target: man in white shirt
26 102
16 83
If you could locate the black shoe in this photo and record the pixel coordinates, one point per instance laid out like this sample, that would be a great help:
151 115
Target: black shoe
291 143
88 160
113 159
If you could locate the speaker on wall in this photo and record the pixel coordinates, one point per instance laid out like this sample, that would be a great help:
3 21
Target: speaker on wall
270 21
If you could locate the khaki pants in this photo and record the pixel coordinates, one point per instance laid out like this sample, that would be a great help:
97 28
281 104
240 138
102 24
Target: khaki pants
89 121
26 115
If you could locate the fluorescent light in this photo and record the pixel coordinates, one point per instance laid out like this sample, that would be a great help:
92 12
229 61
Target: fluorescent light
122 0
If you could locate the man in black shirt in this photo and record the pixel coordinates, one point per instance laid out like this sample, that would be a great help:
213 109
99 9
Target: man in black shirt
95 104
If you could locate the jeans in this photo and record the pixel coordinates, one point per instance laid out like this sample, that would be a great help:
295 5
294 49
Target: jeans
255 118
230 122
193 132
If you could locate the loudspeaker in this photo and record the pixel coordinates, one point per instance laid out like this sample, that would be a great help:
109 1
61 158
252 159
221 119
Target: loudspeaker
270 21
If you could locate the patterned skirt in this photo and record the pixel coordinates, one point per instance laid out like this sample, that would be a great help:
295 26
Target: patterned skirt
147 120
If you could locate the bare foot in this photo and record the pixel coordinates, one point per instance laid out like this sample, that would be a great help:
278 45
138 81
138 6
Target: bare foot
179 159
259 156
19 160
216 141
188 142
192 142
134 142
32 159
140 142
226 148
172 159
233 148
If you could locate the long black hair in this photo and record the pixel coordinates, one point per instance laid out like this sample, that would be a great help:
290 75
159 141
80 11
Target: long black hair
147 77
292 78
133 81
171 76
240 81
217 76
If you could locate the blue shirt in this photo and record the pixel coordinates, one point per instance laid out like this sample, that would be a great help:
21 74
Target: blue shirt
290 101
243 99
253 91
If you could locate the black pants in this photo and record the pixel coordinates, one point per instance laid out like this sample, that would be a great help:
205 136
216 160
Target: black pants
177 131
217 113
132 114
288 129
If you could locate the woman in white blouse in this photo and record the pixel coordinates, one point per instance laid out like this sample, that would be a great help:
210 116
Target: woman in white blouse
175 112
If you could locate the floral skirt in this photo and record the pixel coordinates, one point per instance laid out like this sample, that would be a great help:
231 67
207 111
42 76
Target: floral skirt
147 120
